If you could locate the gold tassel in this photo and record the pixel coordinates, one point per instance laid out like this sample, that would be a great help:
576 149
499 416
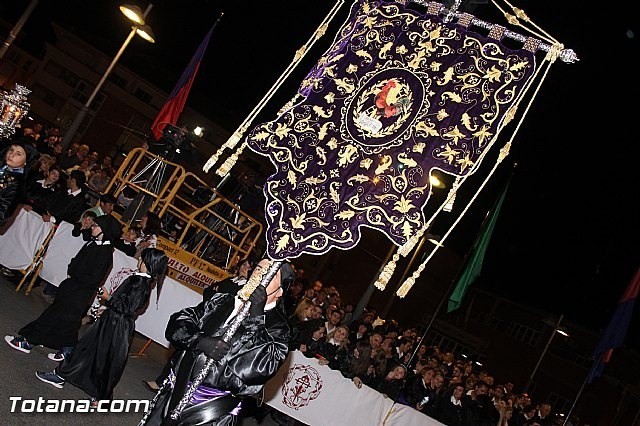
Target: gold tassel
253 282
386 273
406 286
230 144
452 195
409 282
212 160
228 164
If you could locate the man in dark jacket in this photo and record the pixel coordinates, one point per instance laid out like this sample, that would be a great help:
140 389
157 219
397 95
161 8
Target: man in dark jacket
68 206
475 406
241 366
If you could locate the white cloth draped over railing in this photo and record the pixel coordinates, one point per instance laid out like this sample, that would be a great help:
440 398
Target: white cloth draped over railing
319 396
19 244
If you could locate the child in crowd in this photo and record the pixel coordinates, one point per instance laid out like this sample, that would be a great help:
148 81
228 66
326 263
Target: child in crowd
151 227
127 243
15 160
98 360
84 225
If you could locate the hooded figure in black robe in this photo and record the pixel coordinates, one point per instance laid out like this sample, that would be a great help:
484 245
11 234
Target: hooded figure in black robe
241 368
57 327
98 360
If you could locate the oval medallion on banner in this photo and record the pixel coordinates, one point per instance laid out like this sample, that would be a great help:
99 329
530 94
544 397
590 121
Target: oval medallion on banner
384 108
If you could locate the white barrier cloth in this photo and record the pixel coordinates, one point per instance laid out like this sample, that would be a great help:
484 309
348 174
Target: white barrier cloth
303 389
62 248
22 240
173 298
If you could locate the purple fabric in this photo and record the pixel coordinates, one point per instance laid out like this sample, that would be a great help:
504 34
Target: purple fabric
205 393
397 95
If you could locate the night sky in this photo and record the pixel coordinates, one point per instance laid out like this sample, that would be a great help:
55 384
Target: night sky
567 237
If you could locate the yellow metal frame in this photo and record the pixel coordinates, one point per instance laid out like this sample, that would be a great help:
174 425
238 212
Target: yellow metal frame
189 264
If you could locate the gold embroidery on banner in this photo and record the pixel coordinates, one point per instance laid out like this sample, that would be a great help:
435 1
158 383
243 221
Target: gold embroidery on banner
386 188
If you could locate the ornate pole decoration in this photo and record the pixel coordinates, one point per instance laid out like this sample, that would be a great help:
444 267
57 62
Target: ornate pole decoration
13 108
260 277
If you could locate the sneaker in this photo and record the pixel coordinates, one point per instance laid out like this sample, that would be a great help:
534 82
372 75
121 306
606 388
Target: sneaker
50 377
7 272
56 356
18 343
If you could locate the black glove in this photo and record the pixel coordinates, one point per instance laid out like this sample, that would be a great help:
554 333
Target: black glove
213 347
258 299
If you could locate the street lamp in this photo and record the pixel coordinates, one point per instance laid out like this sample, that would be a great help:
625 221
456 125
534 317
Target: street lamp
556 329
134 14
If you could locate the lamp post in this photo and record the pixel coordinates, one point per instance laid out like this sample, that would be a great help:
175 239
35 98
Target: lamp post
17 27
556 329
144 31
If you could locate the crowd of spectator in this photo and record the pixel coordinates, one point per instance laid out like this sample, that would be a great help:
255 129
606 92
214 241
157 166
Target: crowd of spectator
395 361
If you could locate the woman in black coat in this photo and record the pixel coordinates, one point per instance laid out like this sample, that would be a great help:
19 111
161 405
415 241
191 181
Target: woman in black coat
356 364
98 360
450 408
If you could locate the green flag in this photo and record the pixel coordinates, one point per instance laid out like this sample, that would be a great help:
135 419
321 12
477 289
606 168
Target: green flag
474 265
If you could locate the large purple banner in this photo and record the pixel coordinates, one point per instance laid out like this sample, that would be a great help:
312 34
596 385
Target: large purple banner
398 94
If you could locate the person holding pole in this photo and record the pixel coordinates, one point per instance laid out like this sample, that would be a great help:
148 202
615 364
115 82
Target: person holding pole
229 349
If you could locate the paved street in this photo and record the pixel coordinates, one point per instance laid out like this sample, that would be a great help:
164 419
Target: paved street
18 378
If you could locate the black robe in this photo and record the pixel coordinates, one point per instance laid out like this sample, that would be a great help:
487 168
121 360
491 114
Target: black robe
257 350
66 207
12 191
98 360
38 196
58 325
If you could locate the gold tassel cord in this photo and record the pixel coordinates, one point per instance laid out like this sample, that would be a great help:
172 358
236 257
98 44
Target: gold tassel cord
387 272
513 20
504 151
520 14
299 55
408 284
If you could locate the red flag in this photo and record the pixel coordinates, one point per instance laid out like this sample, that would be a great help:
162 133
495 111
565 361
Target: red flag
175 103
616 331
